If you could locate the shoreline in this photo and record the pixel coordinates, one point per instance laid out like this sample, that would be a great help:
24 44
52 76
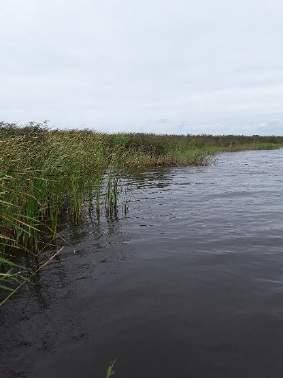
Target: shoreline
48 178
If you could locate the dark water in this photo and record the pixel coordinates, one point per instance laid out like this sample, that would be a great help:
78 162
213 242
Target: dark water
188 284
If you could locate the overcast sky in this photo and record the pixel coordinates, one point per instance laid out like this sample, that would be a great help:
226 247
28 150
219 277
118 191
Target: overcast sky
181 66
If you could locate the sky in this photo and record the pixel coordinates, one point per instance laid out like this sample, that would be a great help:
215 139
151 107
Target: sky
182 66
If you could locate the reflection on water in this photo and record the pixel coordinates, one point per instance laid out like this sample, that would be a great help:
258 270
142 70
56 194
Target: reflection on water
186 279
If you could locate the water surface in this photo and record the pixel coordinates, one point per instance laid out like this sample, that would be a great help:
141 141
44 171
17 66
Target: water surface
187 283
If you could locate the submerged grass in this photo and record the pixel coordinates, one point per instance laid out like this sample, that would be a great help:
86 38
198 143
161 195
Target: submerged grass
46 177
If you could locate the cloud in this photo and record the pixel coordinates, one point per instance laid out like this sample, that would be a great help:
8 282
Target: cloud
155 65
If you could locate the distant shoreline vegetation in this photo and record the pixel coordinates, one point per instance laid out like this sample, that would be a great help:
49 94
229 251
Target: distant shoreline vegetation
49 177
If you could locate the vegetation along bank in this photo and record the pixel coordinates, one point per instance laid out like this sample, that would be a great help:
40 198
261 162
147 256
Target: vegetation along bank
49 177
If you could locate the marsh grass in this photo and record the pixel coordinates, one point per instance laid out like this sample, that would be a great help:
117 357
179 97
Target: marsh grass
49 178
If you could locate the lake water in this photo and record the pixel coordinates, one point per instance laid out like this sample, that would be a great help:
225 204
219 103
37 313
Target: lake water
187 283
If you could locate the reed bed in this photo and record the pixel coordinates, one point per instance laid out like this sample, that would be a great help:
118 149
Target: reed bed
46 177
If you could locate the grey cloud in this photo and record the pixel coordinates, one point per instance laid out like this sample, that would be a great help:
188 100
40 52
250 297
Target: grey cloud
163 66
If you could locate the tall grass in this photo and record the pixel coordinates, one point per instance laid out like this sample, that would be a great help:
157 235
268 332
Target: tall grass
46 177
43 177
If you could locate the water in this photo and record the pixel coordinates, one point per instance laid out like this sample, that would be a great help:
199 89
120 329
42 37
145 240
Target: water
189 283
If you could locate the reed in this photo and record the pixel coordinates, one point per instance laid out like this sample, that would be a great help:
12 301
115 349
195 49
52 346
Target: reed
110 369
